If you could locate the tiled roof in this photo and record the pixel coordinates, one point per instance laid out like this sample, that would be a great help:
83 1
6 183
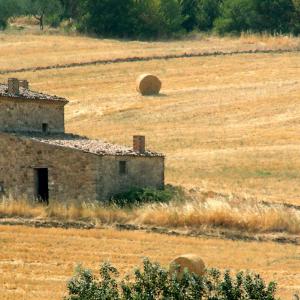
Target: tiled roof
30 95
84 144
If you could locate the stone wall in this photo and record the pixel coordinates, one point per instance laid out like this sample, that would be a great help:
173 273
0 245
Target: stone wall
29 115
73 175
140 172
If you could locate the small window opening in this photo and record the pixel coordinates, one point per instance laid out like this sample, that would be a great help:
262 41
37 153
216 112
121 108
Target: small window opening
1 188
122 167
41 185
45 127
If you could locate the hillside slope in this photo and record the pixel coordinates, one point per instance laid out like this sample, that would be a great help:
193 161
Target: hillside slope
226 123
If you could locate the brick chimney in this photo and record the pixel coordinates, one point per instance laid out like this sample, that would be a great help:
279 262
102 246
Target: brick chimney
139 143
13 86
24 84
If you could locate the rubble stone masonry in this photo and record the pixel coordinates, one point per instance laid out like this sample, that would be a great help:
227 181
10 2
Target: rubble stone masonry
74 175
29 115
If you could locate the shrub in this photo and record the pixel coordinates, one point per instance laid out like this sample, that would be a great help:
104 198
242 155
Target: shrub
155 282
138 196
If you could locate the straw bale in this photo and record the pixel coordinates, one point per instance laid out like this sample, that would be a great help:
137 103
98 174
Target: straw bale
148 84
192 262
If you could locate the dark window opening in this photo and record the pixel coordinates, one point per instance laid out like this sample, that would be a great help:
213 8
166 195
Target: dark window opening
42 189
45 127
122 167
1 187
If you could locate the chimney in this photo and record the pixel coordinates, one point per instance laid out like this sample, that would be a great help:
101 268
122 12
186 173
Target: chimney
24 84
13 86
139 143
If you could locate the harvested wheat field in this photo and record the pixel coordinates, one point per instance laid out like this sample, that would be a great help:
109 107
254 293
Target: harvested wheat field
36 263
226 123
27 50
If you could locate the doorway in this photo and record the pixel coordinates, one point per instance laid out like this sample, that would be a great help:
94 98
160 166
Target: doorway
42 189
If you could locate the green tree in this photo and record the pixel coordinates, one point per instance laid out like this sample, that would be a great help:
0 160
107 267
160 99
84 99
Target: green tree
43 8
70 9
107 17
296 17
190 11
147 19
273 15
235 16
209 10
171 16
9 9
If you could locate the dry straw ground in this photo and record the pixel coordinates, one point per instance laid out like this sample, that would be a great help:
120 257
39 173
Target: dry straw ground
32 50
227 123
36 263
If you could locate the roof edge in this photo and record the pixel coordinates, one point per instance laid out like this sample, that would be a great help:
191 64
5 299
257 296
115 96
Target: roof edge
61 101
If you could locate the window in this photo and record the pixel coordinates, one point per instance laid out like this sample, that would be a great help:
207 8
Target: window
1 187
45 127
122 167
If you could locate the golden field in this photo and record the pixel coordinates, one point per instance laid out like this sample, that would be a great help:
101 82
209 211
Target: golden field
23 50
228 124
36 263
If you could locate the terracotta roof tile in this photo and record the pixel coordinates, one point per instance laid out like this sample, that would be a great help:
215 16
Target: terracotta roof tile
30 95
97 147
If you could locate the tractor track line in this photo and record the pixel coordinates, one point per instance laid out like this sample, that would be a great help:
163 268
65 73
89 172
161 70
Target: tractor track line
147 58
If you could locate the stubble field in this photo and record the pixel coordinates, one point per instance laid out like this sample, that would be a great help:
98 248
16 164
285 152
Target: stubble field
228 124
36 263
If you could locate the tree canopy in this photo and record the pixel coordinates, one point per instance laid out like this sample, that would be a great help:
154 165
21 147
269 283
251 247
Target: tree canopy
160 18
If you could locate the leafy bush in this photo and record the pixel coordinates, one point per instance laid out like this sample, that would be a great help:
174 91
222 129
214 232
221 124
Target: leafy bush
155 282
138 196
9 9
274 16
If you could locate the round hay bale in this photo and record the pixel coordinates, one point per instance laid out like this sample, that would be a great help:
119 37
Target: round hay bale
192 262
148 84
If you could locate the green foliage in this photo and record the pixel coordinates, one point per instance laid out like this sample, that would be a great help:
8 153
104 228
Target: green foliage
9 9
190 10
107 17
171 16
209 10
41 9
274 16
70 9
131 18
138 196
154 282
235 16
295 23
146 19
153 19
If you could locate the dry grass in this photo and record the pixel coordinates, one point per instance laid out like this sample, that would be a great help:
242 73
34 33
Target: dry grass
196 212
32 50
36 263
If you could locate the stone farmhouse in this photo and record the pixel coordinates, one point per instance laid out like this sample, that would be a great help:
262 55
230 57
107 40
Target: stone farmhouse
39 161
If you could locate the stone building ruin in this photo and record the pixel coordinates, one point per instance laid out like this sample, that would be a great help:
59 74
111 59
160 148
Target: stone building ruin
40 161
